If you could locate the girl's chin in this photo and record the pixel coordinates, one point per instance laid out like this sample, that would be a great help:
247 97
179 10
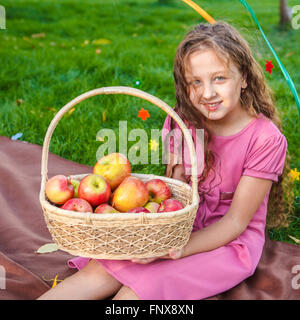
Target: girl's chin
216 115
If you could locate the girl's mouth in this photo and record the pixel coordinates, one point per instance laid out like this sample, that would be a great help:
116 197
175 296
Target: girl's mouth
212 106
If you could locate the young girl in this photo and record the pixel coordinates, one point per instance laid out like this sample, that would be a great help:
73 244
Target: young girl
222 89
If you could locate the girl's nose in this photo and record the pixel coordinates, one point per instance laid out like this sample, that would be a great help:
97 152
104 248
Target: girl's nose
208 92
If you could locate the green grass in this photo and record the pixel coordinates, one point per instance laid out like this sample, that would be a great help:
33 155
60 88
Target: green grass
46 73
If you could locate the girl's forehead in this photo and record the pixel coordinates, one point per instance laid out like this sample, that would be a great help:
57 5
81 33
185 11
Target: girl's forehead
207 61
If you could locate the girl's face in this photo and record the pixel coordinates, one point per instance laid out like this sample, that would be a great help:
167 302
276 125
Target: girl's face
214 88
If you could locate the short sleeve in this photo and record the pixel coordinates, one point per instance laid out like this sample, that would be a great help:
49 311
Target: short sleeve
266 157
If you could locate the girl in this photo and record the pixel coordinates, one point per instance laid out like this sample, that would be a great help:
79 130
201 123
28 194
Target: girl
222 89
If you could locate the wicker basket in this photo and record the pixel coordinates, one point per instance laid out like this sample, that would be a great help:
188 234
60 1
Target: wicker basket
122 235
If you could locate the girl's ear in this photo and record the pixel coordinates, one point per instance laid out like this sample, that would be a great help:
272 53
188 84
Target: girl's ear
244 81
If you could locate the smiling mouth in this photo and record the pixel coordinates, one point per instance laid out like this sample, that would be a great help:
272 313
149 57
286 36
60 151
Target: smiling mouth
212 106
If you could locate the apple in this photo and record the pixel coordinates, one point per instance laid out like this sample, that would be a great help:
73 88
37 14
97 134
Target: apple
59 189
77 204
114 167
139 209
131 193
170 205
75 184
152 206
94 189
105 208
158 190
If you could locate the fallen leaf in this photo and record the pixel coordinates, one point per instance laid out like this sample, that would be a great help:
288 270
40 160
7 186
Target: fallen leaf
295 239
48 247
19 101
289 54
52 109
38 35
26 39
143 114
101 41
99 138
98 51
71 111
55 281
269 66
153 144
104 116
294 174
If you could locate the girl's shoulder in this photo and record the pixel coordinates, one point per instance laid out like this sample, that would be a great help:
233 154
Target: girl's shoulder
266 125
265 153
264 129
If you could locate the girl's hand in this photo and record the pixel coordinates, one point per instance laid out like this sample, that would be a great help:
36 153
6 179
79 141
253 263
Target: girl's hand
173 254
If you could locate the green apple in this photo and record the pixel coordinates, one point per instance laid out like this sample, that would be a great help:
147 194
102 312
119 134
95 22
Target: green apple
75 184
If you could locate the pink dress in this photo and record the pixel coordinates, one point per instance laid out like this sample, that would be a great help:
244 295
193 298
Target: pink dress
258 150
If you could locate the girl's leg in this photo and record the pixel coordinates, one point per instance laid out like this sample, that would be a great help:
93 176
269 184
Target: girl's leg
92 282
125 293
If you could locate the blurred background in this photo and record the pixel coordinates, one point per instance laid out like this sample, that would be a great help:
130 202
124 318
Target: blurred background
53 51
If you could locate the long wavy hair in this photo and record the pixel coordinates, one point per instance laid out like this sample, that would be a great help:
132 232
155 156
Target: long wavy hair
256 98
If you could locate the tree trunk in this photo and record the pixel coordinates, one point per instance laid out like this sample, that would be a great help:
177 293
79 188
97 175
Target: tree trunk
285 12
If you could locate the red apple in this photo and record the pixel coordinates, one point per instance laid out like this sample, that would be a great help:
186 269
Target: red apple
131 193
170 205
152 206
158 190
94 189
77 204
114 167
59 189
139 209
105 208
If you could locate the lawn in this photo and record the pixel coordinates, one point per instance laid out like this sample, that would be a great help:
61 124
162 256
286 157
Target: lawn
53 51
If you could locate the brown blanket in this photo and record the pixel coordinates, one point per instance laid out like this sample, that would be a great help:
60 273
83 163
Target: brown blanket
25 274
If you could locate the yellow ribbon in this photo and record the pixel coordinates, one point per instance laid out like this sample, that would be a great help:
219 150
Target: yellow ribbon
202 12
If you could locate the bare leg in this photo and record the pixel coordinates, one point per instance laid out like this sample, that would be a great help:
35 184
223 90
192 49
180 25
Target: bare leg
125 293
92 282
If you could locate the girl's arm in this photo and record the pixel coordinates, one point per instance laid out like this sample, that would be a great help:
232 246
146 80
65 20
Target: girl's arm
248 196
175 172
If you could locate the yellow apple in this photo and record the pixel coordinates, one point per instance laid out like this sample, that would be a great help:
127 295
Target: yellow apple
114 167
131 193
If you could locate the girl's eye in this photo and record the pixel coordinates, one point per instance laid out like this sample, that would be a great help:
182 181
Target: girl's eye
220 78
196 82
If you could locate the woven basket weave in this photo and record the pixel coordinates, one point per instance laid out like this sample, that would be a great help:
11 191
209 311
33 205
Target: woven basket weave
122 235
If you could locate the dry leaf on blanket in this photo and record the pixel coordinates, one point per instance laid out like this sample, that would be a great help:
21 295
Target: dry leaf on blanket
48 247
295 239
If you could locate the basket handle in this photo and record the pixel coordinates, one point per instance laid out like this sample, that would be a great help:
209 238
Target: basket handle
132 92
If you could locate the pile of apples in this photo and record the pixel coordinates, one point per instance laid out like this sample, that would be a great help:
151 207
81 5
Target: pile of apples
111 189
